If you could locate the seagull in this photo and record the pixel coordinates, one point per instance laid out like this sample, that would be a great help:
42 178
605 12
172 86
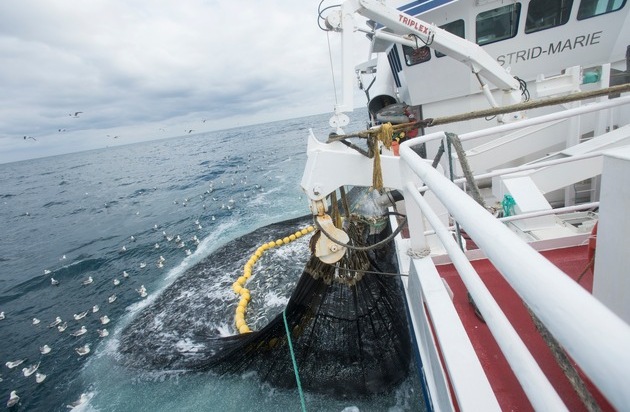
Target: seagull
160 265
143 265
13 364
76 114
111 299
46 272
104 320
62 327
80 315
36 321
123 249
189 130
116 282
83 350
82 399
132 238
13 399
88 280
56 322
44 349
30 370
54 282
125 274
29 137
95 308
39 377
80 331
161 259
142 291
102 332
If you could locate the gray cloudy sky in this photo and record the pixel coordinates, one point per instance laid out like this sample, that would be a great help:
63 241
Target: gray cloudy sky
153 68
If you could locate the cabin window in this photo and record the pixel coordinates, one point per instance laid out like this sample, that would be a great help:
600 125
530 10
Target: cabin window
498 24
457 28
417 55
592 8
545 14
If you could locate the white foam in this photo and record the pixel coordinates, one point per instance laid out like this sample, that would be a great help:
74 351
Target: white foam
272 299
187 345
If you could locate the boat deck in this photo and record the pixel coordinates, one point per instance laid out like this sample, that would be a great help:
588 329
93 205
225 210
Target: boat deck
571 260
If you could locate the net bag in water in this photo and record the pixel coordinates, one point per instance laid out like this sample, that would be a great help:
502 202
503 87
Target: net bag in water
347 324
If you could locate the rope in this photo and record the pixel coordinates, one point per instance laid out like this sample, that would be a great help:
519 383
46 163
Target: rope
295 367
565 364
364 248
531 104
384 136
463 161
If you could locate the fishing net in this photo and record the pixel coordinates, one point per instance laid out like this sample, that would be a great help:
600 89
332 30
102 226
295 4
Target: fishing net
347 321
347 324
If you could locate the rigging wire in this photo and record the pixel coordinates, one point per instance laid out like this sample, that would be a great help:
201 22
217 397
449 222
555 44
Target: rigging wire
332 69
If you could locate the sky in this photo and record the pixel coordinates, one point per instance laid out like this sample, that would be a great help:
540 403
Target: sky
149 69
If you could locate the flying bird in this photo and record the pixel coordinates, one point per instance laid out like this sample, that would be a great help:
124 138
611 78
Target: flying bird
76 114
189 130
29 137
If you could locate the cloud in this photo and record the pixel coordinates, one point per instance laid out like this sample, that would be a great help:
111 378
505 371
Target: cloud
141 62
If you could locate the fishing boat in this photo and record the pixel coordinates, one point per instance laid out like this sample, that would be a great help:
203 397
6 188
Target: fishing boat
498 144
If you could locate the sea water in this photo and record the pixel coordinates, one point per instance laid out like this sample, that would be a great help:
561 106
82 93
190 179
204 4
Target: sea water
112 215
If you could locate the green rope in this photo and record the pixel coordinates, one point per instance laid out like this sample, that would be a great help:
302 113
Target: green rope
295 368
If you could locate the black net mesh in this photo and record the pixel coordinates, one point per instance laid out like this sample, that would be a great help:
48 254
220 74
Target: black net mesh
348 330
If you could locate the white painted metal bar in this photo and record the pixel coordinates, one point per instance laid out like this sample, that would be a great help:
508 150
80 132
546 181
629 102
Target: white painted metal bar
567 209
537 387
564 114
508 127
547 212
596 338
526 167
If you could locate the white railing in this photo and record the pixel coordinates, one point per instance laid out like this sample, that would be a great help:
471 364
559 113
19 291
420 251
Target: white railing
591 334
508 127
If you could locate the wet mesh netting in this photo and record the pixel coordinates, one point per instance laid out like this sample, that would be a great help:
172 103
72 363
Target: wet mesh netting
348 330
